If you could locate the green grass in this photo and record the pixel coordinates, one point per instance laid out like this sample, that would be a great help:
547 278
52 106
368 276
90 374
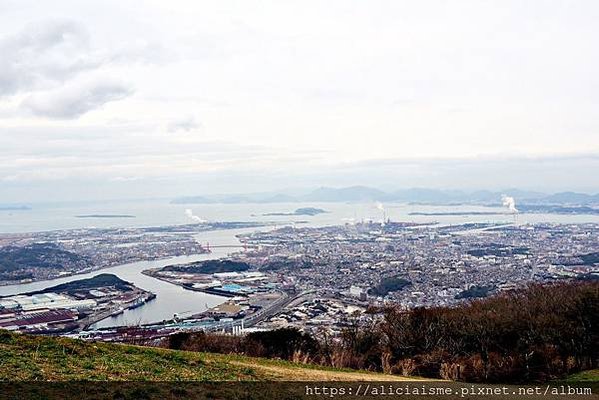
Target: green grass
37 358
30 358
591 375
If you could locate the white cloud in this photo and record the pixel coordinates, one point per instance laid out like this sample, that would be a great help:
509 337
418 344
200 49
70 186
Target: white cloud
185 124
53 68
44 54
334 82
76 99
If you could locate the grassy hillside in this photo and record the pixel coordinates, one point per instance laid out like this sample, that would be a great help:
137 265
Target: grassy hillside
34 358
584 376
153 373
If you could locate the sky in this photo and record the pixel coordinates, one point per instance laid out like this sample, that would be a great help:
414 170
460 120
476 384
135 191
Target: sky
111 99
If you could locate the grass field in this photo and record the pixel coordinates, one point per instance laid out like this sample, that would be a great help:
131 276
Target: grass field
35 358
585 376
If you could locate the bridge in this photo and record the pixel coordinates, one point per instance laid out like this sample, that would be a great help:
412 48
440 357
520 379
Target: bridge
208 246
230 246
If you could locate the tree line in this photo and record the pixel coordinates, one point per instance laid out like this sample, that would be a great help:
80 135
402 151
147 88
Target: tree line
532 334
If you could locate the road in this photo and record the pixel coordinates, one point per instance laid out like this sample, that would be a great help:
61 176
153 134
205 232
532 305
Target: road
265 313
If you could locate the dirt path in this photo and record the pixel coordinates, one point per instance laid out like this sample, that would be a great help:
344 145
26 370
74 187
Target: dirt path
307 374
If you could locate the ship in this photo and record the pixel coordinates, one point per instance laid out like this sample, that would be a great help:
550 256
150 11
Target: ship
118 312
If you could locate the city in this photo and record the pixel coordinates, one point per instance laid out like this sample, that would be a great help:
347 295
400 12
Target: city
34 256
297 191
313 279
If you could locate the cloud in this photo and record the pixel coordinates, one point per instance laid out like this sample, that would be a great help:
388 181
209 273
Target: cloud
186 124
75 100
45 53
43 67
345 84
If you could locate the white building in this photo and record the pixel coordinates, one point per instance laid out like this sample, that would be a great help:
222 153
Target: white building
48 301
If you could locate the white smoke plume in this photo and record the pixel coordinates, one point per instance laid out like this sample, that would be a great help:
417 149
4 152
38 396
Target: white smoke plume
193 217
380 207
510 203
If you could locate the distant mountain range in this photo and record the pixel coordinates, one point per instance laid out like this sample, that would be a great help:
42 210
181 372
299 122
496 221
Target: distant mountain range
412 195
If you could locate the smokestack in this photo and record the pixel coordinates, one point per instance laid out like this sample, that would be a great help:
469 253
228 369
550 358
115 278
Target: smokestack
380 206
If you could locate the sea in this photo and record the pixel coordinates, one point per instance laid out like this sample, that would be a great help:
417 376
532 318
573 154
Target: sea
173 300
160 212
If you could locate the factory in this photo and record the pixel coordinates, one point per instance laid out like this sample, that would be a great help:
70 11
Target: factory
38 320
49 301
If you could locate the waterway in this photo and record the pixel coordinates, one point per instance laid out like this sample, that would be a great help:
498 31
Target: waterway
173 299
170 299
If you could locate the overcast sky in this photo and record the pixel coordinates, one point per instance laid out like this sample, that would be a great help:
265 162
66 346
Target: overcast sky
126 99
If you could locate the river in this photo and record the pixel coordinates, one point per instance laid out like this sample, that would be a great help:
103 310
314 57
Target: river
170 298
174 299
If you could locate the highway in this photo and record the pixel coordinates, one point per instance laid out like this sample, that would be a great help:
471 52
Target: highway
265 313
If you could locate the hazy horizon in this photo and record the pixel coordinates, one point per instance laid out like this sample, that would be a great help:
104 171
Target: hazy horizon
112 100
298 195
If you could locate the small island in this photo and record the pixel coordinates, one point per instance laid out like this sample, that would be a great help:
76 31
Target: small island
15 208
100 281
310 211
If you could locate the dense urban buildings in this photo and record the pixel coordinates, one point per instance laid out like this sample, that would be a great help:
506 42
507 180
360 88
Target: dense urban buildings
311 278
33 256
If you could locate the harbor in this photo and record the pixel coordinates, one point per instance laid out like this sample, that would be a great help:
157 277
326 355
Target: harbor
170 300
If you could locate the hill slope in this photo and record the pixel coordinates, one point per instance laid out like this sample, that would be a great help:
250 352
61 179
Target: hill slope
31 358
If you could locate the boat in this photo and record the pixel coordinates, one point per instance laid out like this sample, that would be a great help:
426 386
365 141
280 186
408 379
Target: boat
137 303
118 312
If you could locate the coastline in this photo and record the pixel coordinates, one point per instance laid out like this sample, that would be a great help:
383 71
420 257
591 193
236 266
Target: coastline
171 298
92 270
148 272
